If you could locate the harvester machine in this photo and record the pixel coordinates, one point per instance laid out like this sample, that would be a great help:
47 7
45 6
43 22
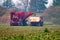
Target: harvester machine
19 19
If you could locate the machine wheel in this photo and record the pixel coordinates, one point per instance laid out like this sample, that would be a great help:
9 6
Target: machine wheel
34 23
41 23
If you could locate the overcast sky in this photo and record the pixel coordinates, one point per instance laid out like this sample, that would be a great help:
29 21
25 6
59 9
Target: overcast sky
50 3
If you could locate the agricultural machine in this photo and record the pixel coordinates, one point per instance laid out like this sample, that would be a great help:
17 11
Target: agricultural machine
20 19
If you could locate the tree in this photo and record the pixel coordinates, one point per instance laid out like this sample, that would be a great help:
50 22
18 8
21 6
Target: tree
8 4
56 3
38 5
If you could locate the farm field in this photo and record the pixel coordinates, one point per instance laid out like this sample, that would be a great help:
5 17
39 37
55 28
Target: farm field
46 32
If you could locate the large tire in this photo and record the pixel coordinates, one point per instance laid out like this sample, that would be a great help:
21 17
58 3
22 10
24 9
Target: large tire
24 22
34 23
12 24
41 23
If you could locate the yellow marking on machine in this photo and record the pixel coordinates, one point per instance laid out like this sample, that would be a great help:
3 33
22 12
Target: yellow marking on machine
34 19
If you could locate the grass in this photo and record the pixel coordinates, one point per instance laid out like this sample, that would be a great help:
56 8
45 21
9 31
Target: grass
46 32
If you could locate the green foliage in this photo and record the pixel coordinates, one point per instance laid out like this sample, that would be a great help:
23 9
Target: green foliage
46 30
8 4
56 3
25 33
37 5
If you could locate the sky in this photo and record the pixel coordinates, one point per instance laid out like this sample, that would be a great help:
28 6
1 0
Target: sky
50 3
17 1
